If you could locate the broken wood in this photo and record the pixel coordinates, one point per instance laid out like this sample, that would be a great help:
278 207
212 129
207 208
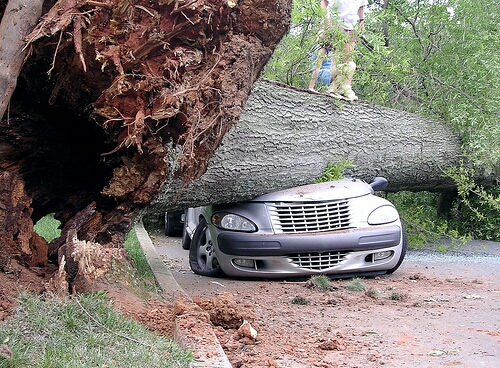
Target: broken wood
17 238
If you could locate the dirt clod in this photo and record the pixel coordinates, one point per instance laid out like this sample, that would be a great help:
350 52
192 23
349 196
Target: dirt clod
225 312
333 344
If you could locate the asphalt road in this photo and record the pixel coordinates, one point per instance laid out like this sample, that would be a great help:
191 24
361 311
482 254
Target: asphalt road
476 259
453 326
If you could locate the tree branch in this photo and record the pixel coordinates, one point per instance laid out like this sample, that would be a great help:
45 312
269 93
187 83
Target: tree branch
18 20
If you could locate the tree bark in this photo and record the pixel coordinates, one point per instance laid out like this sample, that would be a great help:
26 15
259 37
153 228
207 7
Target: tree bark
17 238
286 137
19 19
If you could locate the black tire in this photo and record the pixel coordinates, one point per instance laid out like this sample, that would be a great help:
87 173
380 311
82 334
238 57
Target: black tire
403 252
172 222
186 240
202 258
168 225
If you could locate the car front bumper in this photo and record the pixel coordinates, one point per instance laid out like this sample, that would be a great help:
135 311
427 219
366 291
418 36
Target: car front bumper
276 255
255 244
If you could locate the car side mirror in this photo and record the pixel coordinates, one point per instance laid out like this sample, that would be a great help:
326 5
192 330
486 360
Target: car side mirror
379 183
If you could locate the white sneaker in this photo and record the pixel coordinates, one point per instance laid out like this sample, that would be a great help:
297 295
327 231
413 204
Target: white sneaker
333 93
348 93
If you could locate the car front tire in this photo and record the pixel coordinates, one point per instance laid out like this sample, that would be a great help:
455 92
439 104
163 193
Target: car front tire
202 259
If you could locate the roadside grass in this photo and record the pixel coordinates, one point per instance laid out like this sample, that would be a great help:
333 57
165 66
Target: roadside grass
299 300
372 293
85 330
396 296
135 251
136 273
82 331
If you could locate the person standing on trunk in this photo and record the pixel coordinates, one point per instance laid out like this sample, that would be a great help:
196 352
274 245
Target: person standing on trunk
343 20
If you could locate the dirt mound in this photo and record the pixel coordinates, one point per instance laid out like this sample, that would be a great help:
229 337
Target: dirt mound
20 279
225 312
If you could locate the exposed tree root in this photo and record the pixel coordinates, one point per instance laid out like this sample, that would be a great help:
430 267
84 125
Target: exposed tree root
135 79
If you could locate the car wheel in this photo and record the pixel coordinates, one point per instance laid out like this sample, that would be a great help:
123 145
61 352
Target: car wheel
186 239
169 225
403 253
202 257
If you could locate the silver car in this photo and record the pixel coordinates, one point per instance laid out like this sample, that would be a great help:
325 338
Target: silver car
332 228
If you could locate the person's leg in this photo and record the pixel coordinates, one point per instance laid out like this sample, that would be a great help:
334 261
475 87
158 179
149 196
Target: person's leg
342 85
348 62
349 67
319 60
346 89
336 80
342 65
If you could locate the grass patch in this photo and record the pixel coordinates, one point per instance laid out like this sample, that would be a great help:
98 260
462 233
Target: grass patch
83 331
319 282
372 293
135 251
355 285
396 296
299 300
135 273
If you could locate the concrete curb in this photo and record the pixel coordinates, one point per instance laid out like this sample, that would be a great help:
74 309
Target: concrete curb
208 351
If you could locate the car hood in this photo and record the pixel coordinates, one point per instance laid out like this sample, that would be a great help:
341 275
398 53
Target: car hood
331 190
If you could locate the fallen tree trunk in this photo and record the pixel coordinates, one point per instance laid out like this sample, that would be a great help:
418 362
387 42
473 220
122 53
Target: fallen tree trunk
286 137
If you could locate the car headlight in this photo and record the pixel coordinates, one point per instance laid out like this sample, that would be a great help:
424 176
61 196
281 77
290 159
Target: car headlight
230 221
383 215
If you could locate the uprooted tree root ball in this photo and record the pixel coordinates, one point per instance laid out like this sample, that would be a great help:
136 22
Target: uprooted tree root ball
173 70
111 88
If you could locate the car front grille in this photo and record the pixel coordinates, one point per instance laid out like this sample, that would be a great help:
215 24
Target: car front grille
317 261
305 217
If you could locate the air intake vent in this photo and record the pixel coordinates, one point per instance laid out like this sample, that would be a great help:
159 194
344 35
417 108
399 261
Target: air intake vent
306 217
317 261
